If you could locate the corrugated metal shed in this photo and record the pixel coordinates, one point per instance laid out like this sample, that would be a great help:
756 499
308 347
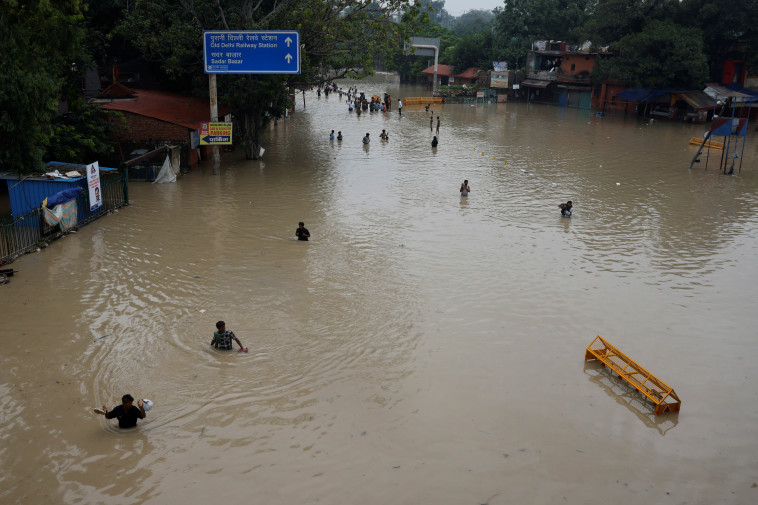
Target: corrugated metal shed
27 193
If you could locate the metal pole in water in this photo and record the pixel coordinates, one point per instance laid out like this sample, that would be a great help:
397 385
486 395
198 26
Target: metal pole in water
214 118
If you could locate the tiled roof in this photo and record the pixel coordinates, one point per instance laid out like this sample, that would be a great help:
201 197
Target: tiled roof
444 70
469 73
187 111
116 90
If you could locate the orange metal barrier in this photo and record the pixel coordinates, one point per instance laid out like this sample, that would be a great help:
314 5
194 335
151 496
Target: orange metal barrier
422 100
652 387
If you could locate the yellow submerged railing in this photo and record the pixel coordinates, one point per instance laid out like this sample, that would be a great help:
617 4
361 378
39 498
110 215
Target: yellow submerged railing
422 100
714 144
657 391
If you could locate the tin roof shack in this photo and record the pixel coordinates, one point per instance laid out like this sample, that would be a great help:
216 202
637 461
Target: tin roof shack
26 229
27 192
667 103
159 118
560 75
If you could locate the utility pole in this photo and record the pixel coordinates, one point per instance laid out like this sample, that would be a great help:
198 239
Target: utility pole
214 118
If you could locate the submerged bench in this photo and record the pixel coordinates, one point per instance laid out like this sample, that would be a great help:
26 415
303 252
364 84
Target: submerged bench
657 391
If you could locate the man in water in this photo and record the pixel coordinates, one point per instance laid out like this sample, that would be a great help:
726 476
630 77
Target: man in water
222 338
339 135
126 413
566 208
434 142
366 140
302 232
331 135
465 189
384 135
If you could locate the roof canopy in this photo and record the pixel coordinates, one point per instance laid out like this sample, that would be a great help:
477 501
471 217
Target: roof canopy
187 111
698 100
642 94
447 71
534 83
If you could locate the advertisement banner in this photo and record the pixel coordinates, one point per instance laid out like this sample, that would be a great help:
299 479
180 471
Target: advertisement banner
499 80
93 184
500 66
215 133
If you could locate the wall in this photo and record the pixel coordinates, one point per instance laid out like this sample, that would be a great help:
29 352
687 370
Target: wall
143 129
581 62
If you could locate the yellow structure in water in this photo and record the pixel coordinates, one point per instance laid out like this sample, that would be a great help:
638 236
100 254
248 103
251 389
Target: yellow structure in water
657 391
422 100
713 144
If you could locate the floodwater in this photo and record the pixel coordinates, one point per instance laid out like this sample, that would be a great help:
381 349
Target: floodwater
422 348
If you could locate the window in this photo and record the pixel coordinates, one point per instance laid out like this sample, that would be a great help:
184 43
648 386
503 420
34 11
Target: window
573 67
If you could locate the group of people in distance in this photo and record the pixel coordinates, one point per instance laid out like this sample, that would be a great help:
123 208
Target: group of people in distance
358 102
366 139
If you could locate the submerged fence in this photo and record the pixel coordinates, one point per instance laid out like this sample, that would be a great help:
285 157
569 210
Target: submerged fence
22 234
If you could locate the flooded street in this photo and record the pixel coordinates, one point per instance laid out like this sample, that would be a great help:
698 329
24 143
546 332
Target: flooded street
422 348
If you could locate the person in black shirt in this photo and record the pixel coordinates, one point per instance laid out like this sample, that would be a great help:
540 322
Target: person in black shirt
126 413
566 208
222 338
302 232
434 142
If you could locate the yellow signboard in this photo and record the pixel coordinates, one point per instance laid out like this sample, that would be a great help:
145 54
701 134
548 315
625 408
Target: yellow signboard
499 80
214 134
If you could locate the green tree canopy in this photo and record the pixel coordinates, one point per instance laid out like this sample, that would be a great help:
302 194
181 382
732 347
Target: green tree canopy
41 44
663 54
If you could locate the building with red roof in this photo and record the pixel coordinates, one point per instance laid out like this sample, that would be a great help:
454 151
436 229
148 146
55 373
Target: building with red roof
159 118
446 75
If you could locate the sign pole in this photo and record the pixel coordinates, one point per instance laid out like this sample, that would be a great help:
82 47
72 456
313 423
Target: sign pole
214 118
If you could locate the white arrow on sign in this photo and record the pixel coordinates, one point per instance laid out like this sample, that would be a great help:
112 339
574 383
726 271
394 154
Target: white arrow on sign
288 41
288 57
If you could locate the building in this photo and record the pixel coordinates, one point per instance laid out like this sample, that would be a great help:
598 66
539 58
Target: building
158 118
446 75
558 74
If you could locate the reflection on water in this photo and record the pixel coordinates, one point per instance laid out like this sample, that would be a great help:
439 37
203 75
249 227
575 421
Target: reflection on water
624 394
416 340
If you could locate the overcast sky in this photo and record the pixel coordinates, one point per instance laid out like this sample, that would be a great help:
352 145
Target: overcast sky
458 7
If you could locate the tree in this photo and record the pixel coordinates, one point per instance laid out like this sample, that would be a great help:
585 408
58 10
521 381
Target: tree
83 134
474 50
437 13
335 36
474 21
609 20
541 19
521 22
729 30
663 54
41 42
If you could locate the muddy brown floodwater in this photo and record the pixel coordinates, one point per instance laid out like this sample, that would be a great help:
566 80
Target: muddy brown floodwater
422 348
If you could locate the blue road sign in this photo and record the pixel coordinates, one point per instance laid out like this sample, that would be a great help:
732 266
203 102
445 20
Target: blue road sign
218 139
251 52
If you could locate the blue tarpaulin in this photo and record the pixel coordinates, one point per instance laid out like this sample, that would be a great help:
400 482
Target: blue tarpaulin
642 94
63 196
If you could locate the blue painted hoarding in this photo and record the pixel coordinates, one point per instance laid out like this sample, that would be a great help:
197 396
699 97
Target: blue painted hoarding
251 52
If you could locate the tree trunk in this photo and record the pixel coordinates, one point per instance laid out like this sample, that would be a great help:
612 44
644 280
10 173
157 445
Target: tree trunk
254 130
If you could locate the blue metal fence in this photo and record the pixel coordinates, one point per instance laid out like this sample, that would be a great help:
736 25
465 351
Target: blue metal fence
26 232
